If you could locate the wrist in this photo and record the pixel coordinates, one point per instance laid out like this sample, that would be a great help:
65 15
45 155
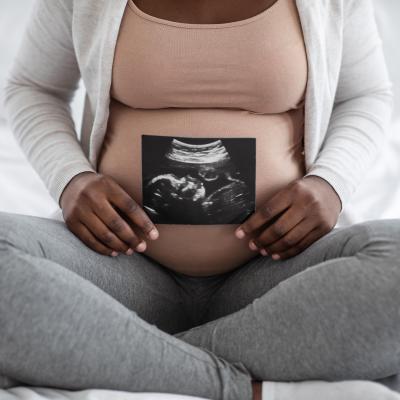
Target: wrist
71 182
326 184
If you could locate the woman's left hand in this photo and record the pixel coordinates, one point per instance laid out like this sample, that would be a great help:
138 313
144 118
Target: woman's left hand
298 215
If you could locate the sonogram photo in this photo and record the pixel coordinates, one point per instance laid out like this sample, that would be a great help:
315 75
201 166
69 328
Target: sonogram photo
198 181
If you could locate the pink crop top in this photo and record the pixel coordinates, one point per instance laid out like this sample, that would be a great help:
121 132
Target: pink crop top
257 64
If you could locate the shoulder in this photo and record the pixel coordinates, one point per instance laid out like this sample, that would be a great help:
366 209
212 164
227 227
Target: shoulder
58 7
337 7
357 6
78 10
70 6
337 12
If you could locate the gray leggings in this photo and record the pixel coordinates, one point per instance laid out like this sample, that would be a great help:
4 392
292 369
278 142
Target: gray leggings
74 319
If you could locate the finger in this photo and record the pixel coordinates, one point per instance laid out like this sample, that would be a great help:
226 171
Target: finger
287 221
307 241
91 241
104 234
293 237
264 213
133 211
119 227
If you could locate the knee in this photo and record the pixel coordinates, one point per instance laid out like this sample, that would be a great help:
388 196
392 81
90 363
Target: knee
18 232
26 232
8 241
380 258
7 226
382 237
15 229
382 268
7 383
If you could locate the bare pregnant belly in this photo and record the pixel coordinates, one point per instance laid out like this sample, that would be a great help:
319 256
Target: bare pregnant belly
198 174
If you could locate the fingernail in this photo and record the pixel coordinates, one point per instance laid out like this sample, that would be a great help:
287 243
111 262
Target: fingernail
141 246
276 256
240 233
252 245
154 234
263 252
114 254
129 252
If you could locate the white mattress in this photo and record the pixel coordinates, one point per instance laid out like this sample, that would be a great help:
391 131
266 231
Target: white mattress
37 393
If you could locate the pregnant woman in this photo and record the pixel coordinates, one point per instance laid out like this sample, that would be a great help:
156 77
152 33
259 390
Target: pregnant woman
197 251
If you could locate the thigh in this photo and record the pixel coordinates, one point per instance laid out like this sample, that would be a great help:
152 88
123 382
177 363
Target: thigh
336 317
261 274
136 281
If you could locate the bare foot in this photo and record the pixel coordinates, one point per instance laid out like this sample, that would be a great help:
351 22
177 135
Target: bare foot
256 390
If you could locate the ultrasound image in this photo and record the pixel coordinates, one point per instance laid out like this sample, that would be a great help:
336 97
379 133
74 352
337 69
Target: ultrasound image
198 181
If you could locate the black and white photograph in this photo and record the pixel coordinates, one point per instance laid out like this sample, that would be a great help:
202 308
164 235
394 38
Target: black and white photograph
198 181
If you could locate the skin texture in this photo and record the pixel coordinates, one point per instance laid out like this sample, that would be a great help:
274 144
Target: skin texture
256 386
297 216
203 11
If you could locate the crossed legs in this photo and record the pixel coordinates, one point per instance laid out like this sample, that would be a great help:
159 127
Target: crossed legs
72 318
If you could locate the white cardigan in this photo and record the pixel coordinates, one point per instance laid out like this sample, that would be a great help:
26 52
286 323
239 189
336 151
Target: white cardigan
348 98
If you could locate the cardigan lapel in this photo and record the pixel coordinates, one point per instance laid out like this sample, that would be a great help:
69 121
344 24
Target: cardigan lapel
112 17
312 39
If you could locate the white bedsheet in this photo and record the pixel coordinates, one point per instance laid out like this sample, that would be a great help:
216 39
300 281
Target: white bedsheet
37 393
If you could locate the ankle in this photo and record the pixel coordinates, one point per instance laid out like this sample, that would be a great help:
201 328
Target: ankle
256 385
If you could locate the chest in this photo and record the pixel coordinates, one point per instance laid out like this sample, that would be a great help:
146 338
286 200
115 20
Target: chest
203 11
323 20
257 64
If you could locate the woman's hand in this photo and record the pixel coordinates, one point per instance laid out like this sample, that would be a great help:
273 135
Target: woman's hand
87 204
297 216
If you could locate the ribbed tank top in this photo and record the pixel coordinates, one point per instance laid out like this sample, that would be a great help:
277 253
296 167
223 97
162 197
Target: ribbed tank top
206 123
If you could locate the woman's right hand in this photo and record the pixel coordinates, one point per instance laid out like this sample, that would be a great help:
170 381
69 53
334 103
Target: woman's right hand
87 204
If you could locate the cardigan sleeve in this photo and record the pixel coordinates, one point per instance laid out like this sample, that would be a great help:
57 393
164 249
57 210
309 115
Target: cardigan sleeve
362 108
38 92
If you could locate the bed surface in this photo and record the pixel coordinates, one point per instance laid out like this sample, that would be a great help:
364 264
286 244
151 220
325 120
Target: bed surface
25 393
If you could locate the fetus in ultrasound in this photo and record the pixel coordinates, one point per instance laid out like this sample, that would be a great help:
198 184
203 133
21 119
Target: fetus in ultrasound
197 180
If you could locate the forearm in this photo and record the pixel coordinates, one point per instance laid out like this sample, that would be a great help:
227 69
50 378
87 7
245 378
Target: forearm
43 127
363 104
357 132
41 84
